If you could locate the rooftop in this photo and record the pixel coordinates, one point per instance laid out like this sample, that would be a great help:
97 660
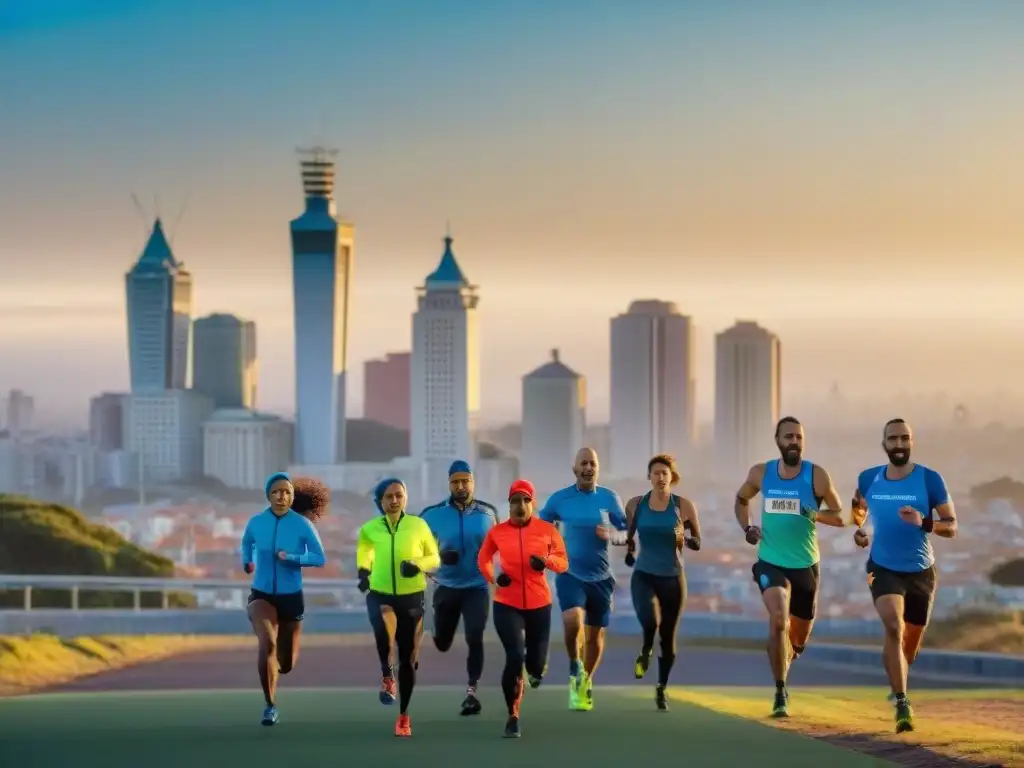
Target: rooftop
448 272
157 254
555 369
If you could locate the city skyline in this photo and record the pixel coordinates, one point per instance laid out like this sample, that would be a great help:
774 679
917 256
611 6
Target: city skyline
820 174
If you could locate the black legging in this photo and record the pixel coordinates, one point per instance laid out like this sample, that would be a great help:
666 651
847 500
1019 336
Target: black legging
659 601
408 611
524 634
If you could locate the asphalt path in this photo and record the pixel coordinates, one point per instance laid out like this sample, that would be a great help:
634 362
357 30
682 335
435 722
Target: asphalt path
352 662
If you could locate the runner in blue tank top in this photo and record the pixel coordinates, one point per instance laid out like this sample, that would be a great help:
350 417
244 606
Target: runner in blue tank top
660 520
786 570
905 502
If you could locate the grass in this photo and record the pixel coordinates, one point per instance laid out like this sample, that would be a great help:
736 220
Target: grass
954 727
34 661
322 727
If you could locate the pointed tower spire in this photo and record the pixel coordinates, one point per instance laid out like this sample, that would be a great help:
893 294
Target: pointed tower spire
448 271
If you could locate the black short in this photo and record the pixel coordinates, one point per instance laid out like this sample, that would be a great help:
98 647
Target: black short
410 606
917 588
289 607
801 582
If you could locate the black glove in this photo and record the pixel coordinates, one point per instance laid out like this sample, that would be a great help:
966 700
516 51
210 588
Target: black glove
503 580
364 580
537 563
753 534
688 526
449 556
861 538
693 542
630 553
408 569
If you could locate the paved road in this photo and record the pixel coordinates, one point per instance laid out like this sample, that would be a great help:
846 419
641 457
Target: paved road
354 663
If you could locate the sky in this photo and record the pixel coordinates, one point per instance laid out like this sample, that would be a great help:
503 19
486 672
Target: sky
851 175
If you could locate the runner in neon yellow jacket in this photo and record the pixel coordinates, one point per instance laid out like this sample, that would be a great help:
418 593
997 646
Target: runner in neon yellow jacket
393 554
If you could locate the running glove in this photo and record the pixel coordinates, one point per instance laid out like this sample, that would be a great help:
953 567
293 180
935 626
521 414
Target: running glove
693 542
364 580
537 563
248 567
449 556
503 580
753 534
409 569
630 553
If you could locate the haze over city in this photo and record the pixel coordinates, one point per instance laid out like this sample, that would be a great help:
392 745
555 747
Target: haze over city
845 177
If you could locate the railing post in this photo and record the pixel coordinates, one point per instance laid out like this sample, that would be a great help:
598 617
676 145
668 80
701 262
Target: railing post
28 598
136 599
74 598
165 600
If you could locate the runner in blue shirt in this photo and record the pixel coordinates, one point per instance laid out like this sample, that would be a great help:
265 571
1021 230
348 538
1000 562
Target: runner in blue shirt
586 512
905 502
460 523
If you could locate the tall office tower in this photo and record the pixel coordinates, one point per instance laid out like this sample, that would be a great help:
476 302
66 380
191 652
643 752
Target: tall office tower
224 365
653 385
386 389
159 302
748 392
445 381
20 411
322 278
554 423
106 421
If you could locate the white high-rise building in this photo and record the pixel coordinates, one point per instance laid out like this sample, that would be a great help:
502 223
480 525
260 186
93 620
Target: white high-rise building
554 422
322 249
164 431
653 385
445 370
748 393
241 448
158 290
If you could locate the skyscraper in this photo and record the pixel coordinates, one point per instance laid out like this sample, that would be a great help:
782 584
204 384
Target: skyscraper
159 303
224 365
20 411
386 385
653 385
445 390
748 392
321 278
554 422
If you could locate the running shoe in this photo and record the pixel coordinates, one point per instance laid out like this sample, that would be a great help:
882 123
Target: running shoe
512 728
403 727
270 715
904 716
471 704
659 699
387 690
642 663
781 706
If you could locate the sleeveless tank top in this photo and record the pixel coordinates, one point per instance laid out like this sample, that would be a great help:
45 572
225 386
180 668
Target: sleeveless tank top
789 539
655 531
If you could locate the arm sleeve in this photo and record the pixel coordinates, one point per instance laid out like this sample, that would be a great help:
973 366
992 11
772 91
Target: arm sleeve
314 556
548 511
617 513
558 558
248 540
364 551
485 557
936 487
430 559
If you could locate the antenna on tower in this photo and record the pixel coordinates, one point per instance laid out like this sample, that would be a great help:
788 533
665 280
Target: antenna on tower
178 218
318 165
141 211
156 205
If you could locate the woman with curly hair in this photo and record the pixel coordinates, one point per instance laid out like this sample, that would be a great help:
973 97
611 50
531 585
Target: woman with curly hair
277 544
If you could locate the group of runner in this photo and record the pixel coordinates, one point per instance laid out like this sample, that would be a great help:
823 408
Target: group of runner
457 542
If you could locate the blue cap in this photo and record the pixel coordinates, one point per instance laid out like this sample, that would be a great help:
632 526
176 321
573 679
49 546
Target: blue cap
381 488
273 479
459 466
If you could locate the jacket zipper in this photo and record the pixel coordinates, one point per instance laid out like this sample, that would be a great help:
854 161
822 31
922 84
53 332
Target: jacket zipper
394 567
273 552
522 565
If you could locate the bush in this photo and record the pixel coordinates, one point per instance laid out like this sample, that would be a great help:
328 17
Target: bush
1008 574
42 538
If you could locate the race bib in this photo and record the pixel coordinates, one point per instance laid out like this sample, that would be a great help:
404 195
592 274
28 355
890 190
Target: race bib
789 506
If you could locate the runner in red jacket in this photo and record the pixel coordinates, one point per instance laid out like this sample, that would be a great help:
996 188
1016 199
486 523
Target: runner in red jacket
526 547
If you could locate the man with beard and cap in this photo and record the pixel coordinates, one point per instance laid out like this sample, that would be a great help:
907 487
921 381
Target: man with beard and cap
786 570
460 523
905 502
587 512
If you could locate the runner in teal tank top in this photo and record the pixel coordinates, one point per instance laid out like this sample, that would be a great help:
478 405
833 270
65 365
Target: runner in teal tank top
786 570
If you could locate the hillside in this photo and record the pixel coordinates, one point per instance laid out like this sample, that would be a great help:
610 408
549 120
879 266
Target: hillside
38 537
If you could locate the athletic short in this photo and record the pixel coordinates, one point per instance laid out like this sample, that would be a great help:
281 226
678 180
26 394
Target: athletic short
594 597
289 607
917 588
801 582
410 606
450 604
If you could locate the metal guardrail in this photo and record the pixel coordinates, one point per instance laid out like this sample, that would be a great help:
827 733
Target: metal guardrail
138 585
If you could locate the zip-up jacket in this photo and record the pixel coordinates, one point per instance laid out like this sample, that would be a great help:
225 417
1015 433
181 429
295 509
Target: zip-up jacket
382 549
464 532
514 544
265 535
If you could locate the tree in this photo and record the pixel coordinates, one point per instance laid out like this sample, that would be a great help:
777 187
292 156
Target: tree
1008 574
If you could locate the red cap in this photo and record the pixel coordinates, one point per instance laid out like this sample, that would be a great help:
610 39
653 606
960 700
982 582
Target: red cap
524 487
